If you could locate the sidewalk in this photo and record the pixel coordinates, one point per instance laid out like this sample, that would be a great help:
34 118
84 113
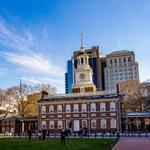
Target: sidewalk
133 144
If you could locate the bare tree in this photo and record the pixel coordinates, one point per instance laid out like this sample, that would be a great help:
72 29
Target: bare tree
134 96
44 87
19 94
6 102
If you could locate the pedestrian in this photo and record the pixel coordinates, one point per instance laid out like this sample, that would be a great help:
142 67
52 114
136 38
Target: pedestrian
30 134
43 134
48 133
39 135
118 135
63 137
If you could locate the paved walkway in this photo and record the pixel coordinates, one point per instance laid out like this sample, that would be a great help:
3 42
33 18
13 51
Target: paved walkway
133 144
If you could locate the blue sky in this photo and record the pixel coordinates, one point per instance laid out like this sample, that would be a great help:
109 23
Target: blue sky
37 37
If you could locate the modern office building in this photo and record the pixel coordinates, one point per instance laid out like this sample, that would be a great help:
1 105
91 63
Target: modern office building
120 66
108 71
69 76
102 65
66 83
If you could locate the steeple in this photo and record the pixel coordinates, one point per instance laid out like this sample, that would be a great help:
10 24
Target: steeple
83 74
82 43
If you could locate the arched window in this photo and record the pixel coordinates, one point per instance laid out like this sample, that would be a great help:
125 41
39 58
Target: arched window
68 124
43 124
51 124
84 123
93 123
82 60
113 123
103 123
60 124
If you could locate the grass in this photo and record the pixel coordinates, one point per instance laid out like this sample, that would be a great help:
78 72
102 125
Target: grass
54 144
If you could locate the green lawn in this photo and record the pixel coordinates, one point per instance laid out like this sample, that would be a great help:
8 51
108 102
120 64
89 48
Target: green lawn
54 144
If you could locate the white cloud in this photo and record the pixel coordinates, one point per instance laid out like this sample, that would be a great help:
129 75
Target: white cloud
12 38
30 80
58 83
35 63
26 50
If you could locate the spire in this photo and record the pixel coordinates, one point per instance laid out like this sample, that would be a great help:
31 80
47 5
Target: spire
20 86
82 43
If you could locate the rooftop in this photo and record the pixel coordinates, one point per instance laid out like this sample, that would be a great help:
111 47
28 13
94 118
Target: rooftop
84 96
136 114
120 52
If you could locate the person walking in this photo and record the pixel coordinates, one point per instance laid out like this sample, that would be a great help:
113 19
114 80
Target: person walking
43 134
63 137
30 134
39 135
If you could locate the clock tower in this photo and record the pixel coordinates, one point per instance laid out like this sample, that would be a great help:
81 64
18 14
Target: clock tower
83 74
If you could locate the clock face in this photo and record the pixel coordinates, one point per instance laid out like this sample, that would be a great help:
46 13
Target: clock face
82 76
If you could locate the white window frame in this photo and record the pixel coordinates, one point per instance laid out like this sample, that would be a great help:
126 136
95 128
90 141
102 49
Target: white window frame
76 107
43 124
102 107
59 108
113 123
43 109
60 124
84 107
93 107
84 123
67 123
51 124
103 123
68 108
112 106
51 108
93 121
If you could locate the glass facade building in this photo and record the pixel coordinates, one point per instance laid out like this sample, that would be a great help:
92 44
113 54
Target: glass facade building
69 76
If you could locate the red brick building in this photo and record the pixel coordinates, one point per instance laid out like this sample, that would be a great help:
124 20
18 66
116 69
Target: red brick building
95 112
84 108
